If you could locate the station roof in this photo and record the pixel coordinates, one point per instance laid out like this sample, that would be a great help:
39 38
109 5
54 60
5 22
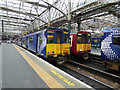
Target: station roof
25 16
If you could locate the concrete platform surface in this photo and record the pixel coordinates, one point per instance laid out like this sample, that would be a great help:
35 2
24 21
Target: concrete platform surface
16 72
24 69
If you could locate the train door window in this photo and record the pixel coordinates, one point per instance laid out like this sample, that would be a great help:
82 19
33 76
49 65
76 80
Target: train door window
31 40
79 39
71 38
40 40
23 40
50 39
66 39
116 40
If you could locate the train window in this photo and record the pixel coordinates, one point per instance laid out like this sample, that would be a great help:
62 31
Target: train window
79 41
116 40
50 39
31 40
20 40
84 38
23 41
66 39
95 40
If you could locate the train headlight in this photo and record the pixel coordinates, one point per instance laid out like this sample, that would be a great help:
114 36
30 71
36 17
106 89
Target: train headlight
80 49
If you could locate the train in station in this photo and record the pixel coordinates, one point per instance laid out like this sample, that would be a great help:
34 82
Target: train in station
110 48
52 43
80 44
56 43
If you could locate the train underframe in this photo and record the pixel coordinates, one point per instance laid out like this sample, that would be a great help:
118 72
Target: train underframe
60 59
83 56
112 65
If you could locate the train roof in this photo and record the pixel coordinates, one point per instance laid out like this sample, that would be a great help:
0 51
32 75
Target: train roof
111 29
57 29
45 30
97 37
80 32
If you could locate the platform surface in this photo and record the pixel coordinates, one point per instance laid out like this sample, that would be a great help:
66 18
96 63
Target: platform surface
96 51
16 72
22 69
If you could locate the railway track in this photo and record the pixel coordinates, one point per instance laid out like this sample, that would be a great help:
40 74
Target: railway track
86 79
106 75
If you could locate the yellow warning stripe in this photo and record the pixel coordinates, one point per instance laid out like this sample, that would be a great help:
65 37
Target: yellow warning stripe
62 78
49 80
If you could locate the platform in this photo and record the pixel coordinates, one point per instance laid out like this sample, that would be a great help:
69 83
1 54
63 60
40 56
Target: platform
96 51
22 69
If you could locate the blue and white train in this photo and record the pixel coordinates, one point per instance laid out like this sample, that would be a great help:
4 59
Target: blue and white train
49 43
110 48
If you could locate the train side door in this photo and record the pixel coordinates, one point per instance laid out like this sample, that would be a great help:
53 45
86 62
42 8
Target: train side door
39 42
58 41
27 42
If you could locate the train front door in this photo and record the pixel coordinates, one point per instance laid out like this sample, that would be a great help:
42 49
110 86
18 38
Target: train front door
84 38
58 41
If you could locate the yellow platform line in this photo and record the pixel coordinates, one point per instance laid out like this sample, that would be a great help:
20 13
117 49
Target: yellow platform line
49 80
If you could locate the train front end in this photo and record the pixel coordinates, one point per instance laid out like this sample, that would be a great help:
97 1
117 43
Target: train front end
58 45
81 44
84 44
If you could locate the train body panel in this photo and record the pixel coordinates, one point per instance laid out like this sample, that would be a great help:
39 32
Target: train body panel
41 43
110 48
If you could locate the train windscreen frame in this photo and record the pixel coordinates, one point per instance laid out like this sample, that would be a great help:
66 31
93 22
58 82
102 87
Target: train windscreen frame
83 38
116 40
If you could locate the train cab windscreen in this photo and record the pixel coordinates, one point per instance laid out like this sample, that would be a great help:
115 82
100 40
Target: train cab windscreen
50 39
116 40
83 38
79 40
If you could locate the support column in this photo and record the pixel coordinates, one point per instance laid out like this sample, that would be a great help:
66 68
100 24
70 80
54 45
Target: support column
2 26
69 15
49 17
79 23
